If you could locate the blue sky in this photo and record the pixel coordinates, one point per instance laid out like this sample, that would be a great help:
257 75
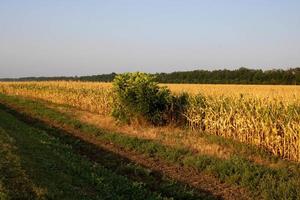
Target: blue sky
73 37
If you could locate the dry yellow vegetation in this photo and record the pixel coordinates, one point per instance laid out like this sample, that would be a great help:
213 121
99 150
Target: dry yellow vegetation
283 92
263 115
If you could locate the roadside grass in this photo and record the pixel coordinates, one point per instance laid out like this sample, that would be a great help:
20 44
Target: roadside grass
246 151
264 182
195 140
14 180
35 165
142 178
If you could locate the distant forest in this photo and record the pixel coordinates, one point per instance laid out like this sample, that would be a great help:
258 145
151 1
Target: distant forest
239 76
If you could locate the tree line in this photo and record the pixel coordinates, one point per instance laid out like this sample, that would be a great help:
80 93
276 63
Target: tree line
225 76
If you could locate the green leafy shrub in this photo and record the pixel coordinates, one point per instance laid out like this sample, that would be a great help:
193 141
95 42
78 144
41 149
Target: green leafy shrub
138 97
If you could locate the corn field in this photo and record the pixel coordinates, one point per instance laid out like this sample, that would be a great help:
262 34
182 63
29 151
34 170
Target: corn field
266 116
91 97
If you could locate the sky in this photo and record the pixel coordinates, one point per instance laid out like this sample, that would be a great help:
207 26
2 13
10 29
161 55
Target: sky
85 37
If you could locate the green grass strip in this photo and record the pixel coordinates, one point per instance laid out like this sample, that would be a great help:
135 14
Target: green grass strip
35 165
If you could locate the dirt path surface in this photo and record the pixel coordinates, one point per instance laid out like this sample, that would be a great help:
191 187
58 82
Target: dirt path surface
189 176
200 181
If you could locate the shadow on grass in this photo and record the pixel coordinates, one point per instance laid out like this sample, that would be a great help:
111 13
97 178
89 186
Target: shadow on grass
154 181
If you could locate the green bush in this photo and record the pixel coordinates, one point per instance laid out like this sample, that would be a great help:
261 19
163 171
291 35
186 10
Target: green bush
138 97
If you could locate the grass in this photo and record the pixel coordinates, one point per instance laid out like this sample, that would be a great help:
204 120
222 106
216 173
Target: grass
36 165
263 182
39 162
